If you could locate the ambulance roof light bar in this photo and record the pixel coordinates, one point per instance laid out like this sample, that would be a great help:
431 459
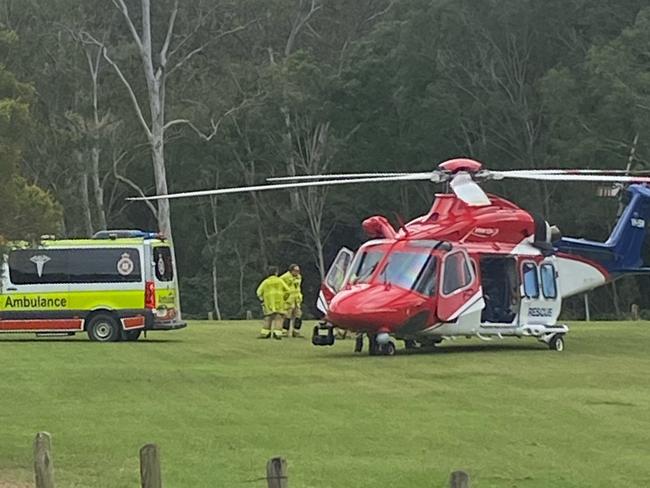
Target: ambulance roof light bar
126 234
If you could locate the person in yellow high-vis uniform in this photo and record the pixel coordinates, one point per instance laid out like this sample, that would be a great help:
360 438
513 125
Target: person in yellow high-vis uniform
293 279
273 293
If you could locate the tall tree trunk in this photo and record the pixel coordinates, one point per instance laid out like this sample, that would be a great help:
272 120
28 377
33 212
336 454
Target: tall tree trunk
85 203
160 175
617 307
321 258
98 189
291 163
242 267
215 287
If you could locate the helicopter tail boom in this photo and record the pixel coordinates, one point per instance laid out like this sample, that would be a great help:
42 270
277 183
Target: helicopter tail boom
622 252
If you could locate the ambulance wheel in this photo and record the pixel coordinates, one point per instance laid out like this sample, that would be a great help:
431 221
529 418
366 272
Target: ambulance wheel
103 328
556 343
388 349
131 335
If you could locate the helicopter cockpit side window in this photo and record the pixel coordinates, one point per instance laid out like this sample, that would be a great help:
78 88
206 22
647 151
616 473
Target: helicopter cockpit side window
335 277
457 273
531 283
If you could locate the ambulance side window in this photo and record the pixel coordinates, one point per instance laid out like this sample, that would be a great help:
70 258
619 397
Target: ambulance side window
531 283
549 288
110 265
50 266
38 266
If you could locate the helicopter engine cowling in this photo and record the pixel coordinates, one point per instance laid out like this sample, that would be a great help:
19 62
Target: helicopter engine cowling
378 226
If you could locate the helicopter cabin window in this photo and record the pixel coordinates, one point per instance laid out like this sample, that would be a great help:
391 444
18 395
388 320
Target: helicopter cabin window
531 284
410 270
549 288
364 265
457 273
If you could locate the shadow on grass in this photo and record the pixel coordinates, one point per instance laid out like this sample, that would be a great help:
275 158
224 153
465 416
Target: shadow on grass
451 349
71 340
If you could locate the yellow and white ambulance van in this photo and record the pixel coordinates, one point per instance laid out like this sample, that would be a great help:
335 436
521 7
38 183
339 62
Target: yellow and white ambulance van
113 287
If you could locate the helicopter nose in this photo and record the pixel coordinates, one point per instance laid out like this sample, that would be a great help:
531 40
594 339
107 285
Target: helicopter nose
374 307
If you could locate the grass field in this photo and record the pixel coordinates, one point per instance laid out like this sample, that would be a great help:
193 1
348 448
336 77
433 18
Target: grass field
220 403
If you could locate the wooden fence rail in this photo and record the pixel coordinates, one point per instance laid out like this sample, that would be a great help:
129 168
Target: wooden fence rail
151 472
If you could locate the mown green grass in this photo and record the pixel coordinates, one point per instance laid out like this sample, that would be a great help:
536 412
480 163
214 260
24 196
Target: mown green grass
220 403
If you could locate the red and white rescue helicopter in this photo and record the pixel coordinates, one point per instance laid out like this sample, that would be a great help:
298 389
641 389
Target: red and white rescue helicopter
475 265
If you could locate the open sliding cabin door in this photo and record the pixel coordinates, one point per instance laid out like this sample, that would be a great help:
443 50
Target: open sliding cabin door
459 290
541 300
334 279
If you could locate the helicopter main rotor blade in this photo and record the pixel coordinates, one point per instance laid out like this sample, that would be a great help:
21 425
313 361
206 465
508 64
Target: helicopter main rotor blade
576 171
524 175
341 176
245 189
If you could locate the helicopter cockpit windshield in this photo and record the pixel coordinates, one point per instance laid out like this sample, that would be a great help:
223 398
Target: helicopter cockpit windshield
411 270
412 267
364 264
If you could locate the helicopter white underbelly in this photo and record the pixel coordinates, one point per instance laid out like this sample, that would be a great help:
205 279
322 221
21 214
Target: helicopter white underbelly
577 276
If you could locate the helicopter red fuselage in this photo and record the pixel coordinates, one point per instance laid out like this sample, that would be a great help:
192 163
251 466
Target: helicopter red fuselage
388 302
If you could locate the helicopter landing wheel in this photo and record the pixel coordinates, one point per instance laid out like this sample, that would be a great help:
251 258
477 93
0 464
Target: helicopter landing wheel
358 343
388 349
556 343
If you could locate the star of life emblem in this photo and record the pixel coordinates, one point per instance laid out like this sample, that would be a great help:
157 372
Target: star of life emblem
40 261
125 265
161 266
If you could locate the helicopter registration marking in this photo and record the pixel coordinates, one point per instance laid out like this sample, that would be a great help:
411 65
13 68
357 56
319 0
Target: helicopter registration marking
637 222
540 312
485 232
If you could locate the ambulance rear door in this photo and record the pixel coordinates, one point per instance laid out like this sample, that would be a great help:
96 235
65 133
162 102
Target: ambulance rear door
167 306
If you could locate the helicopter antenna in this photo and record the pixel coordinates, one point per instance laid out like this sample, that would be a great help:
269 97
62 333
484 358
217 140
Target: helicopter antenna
402 224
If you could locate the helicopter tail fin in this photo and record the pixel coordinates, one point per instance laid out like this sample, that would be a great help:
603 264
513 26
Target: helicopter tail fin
622 252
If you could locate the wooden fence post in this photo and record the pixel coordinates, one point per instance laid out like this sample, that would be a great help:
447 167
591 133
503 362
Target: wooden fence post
249 315
43 462
150 475
459 479
634 309
276 473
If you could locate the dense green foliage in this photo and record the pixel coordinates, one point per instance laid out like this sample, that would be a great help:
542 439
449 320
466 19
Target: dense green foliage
27 211
220 403
372 85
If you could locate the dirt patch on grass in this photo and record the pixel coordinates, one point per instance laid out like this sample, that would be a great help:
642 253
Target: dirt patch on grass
15 484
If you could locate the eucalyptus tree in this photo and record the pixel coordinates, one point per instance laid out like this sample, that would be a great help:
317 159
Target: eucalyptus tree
160 60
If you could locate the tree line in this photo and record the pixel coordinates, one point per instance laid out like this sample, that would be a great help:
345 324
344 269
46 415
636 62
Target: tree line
100 100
